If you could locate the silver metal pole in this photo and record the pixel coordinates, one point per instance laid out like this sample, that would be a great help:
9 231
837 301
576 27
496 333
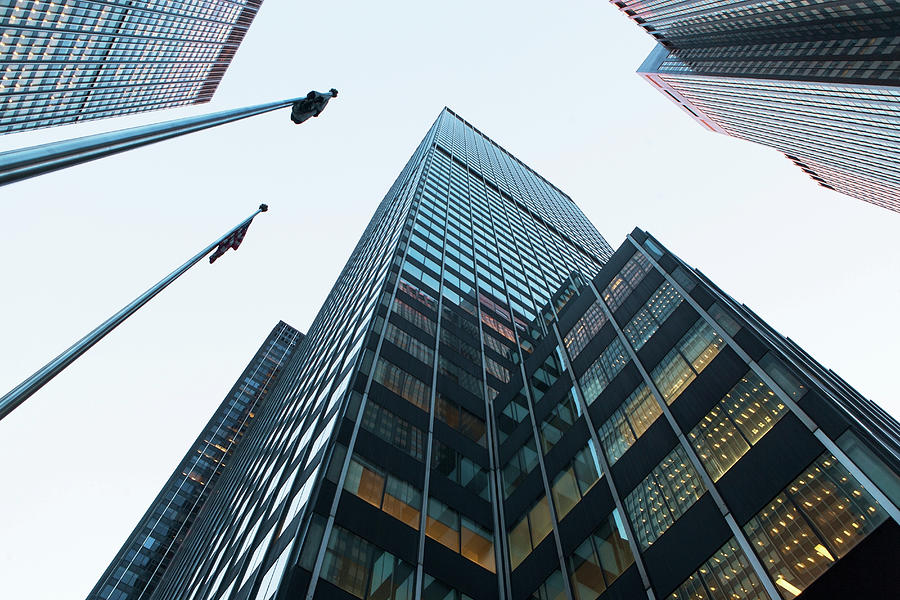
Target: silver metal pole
24 390
16 165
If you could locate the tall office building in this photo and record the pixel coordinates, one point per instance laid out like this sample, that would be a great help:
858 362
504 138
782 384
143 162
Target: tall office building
817 80
138 566
449 428
68 61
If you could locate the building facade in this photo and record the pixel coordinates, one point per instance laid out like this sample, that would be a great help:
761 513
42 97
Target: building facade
816 80
77 60
467 420
138 566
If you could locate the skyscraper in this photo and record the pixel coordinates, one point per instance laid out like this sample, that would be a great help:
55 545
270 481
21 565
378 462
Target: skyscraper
492 404
136 569
76 60
818 81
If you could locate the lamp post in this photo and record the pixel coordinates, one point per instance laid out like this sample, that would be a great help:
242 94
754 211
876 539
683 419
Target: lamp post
25 163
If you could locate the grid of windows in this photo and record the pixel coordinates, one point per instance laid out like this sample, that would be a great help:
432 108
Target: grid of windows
76 60
663 496
686 360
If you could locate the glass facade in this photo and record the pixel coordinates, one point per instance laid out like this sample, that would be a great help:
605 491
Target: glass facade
76 60
817 80
492 404
137 568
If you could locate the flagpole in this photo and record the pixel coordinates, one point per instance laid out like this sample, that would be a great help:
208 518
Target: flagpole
17 165
24 390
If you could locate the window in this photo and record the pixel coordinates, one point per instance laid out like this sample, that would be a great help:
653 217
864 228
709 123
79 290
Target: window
519 466
558 422
726 574
364 570
655 311
721 316
410 344
585 329
460 534
529 531
663 496
554 588
436 590
393 430
612 360
574 481
786 380
407 386
686 360
746 413
601 559
460 419
626 280
382 490
817 519
460 469
628 423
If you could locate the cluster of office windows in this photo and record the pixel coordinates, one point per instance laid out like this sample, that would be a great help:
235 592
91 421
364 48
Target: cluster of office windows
693 352
672 487
625 281
94 63
649 317
816 520
394 430
746 413
603 370
629 422
585 329
726 574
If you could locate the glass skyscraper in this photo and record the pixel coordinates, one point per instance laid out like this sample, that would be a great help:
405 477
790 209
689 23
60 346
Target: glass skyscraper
67 61
138 566
493 404
818 80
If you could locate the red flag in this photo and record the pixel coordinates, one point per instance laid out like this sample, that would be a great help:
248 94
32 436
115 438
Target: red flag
232 241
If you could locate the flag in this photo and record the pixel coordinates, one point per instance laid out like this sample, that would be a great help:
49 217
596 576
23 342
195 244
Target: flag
232 241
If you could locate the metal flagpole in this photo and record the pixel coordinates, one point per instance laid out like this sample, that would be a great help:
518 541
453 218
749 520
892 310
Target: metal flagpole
24 390
16 165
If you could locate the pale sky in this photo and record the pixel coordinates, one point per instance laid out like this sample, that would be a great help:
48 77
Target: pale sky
553 83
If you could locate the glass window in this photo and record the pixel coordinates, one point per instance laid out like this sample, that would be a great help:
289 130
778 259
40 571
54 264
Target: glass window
663 496
460 534
443 524
721 316
531 529
364 570
554 588
629 422
817 519
601 559
403 384
612 360
652 315
746 413
626 280
726 575
782 376
398 498
558 422
477 544
585 329
686 360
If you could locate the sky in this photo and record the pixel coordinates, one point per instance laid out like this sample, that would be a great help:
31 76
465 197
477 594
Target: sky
553 83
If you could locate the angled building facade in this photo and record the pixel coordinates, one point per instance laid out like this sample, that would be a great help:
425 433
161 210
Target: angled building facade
818 81
77 60
493 404
136 570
